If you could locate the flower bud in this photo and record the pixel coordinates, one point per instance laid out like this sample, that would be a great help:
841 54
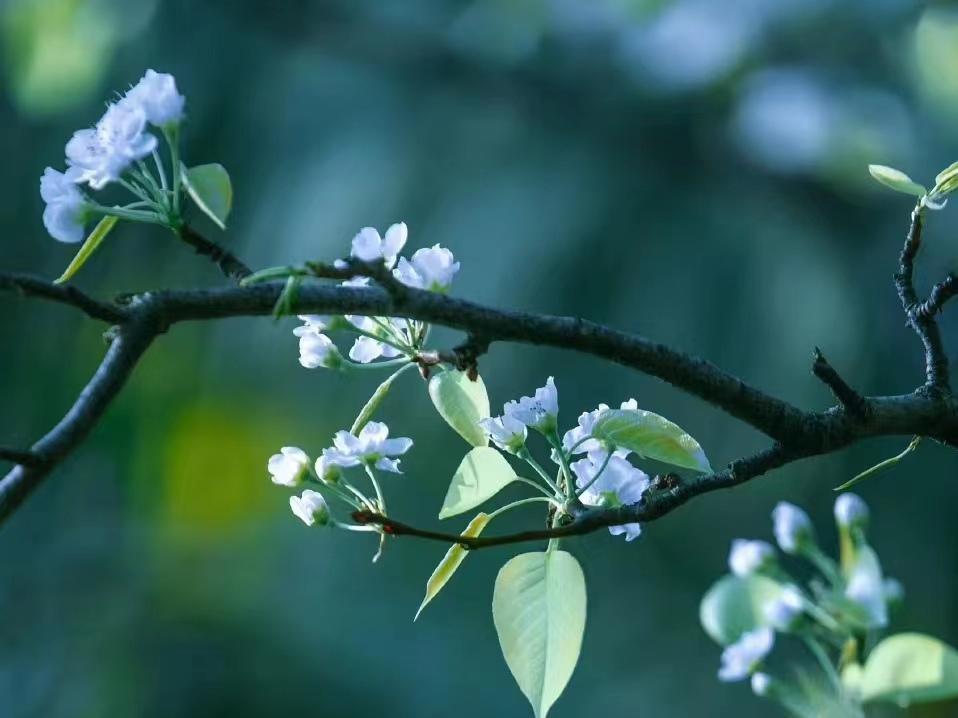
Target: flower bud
761 684
311 508
289 467
793 528
748 557
785 611
851 511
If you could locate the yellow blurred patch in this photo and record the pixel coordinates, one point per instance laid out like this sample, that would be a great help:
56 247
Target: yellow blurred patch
215 469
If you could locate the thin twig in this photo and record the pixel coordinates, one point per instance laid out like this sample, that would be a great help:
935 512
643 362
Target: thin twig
939 295
19 456
847 397
231 266
30 286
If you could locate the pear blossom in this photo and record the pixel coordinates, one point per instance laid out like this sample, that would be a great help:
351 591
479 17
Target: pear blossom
893 590
316 349
368 246
289 467
102 154
431 269
866 588
155 94
761 684
326 470
506 432
538 412
793 528
311 507
370 448
618 484
740 659
785 610
850 510
577 439
747 557
65 212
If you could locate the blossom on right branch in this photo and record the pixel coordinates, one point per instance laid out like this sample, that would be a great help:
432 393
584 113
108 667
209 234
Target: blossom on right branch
740 659
611 482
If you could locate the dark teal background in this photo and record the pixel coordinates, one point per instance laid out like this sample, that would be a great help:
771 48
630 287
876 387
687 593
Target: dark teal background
693 171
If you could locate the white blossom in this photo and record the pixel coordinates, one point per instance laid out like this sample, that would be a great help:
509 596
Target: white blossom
366 349
792 527
537 412
867 589
577 437
850 510
740 659
102 154
784 611
506 432
371 448
289 467
316 349
65 212
761 684
368 246
618 484
155 94
431 269
746 557
327 471
311 507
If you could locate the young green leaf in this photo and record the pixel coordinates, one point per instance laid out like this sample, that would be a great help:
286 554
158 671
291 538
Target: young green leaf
896 180
366 413
210 189
91 244
910 668
462 403
947 174
451 561
651 436
482 473
539 608
734 605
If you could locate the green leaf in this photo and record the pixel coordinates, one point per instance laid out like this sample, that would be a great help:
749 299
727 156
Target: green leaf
910 668
539 607
366 413
462 403
451 561
897 180
210 189
735 605
946 174
91 244
651 436
482 473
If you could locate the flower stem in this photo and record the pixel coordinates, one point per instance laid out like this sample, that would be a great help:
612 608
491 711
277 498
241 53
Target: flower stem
380 499
527 457
521 502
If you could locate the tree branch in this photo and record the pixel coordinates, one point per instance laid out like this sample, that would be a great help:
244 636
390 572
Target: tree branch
924 324
939 295
797 433
30 286
231 266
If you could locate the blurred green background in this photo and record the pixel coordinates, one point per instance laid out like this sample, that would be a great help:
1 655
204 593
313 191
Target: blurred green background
690 170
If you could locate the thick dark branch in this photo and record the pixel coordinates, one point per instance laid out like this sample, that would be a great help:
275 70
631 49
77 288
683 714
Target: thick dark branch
847 397
19 456
129 343
229 264
924 324
30 286
940 293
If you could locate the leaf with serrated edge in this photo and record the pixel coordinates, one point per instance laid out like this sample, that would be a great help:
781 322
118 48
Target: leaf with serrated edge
462 403
539 609
451 561
651 436
482 473
86 251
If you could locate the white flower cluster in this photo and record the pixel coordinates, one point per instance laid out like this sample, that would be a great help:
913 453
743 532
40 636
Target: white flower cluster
371 448
432 269
102 154
602 480
859 587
